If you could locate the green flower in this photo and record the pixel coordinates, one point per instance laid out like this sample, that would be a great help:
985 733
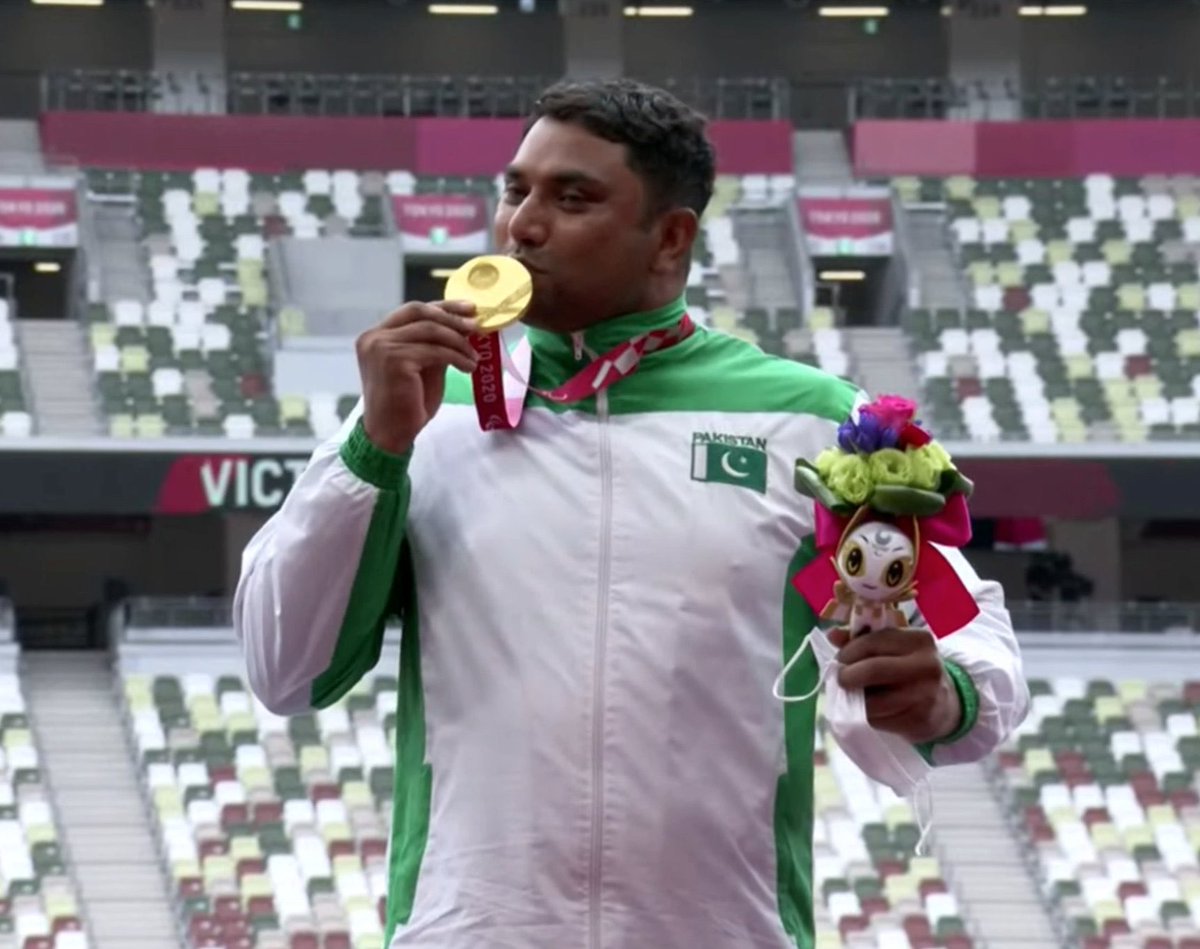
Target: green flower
850 478
825 462
939 456
890 466
924 469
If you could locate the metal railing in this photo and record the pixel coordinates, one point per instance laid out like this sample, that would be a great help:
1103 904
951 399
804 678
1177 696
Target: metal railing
306 93
1055 97
1028 616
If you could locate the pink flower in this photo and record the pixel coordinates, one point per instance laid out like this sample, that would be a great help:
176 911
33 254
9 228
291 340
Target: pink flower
892 411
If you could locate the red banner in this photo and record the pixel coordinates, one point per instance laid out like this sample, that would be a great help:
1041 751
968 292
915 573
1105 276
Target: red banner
847 226
432 146
1070 148
442 223
38 217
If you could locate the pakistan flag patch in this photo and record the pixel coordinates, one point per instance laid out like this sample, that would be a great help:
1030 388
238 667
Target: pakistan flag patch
739 460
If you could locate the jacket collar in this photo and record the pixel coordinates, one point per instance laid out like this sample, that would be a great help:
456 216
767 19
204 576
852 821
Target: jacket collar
599 339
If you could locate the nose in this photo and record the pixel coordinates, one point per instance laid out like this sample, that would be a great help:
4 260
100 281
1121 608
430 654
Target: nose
528 225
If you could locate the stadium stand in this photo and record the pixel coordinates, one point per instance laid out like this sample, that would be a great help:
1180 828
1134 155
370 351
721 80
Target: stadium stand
274 831
1101 783
870 889
39 906
1083 322
15 420
195 357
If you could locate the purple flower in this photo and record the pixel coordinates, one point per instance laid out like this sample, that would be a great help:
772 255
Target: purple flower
846 435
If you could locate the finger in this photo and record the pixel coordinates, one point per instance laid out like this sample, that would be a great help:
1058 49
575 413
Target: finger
428 333
881 670
422 356
888 703
458 315
839 637
885 642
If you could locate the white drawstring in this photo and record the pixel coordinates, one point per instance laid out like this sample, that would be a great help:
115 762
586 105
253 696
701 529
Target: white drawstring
923 804
777 688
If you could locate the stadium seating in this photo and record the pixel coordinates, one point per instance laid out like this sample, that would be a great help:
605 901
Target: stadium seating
1102 782
15 420
195 358
870 890
1085 316
38 904
273 830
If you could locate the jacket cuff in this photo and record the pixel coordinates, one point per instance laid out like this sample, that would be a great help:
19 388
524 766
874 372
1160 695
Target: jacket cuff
371 464
968 699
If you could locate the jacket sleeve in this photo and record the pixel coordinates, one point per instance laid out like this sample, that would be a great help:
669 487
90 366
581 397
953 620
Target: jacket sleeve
317 580
984 661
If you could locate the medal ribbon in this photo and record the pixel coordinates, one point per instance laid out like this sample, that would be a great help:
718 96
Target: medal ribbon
499 406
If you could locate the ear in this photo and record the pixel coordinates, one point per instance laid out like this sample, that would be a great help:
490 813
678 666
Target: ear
677 232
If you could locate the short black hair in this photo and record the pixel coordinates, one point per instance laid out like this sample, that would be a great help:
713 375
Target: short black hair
666 139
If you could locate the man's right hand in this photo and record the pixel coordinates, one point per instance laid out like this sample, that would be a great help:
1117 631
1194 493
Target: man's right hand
402 364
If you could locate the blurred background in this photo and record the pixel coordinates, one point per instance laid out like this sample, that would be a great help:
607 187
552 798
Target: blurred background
990 206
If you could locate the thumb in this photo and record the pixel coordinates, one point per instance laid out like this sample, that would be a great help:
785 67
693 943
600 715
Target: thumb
839 637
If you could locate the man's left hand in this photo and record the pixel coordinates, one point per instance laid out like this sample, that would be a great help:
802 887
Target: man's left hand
907 689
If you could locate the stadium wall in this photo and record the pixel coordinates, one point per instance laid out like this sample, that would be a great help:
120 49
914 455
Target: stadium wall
1034 149
427 146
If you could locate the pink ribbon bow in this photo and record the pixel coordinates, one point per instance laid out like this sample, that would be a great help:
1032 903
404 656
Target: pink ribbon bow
941 597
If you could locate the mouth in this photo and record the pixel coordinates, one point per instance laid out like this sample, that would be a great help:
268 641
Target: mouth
532 268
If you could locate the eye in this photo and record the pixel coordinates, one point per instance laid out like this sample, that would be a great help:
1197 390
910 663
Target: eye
572 202
895 573
513 194
854 560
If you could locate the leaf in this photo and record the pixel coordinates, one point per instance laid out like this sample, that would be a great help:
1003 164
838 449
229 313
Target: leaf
897 499
954 481
809 483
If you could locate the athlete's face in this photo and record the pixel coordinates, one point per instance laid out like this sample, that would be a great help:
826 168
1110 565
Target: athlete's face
575 214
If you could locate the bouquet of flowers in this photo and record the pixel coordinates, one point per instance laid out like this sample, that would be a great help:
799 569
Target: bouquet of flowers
886 461
886 497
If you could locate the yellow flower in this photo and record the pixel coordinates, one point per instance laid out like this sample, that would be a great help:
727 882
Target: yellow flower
850 478
939 456
825 462
890 466
924 470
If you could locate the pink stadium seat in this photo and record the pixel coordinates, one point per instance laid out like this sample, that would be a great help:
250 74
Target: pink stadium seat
228 908
234 814
852 924
304 941
249 865
268 812
260 906
336 941
38 942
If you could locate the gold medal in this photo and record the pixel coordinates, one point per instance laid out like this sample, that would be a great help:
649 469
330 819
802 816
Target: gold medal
499 286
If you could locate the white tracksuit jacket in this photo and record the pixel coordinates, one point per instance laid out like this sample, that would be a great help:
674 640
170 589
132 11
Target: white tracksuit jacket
594 607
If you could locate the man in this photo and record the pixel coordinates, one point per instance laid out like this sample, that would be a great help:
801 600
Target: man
595 605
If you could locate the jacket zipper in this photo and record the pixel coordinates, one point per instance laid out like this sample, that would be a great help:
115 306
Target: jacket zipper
602 584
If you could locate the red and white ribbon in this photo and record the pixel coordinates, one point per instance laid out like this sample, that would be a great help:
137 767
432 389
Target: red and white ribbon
501 379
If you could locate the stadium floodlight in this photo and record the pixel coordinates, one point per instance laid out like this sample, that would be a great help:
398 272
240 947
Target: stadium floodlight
643 10
853 11
269 6
464 9
68 3
842 275
1054 9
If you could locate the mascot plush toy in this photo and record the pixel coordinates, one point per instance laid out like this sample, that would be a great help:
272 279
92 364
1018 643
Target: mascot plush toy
885 497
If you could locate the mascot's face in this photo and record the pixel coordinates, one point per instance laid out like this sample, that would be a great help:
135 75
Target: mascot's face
876 562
